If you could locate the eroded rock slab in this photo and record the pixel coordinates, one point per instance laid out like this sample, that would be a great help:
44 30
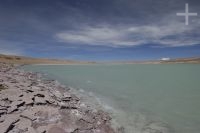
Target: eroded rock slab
8 123
32 105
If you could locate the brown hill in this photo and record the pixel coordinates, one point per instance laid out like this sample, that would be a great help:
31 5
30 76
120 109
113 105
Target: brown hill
30 60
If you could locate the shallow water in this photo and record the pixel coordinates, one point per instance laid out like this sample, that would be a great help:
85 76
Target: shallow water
166 95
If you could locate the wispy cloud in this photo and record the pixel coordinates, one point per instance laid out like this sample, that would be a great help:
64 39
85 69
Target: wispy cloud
170 34
94 36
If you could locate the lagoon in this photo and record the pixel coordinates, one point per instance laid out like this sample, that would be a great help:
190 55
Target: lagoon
138 95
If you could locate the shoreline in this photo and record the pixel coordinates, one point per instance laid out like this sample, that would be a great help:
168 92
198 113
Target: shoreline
31 104
146 63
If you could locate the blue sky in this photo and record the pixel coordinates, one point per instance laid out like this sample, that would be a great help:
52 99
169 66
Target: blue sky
99 29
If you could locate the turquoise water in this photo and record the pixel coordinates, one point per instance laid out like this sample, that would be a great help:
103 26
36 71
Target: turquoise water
168 94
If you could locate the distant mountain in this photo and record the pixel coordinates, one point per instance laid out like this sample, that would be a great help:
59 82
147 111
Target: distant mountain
30 60
183 60
194 60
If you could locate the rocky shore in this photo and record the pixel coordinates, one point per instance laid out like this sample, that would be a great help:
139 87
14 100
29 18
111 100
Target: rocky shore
29 104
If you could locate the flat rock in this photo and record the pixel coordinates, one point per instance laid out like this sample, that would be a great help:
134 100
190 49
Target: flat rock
56 130
17 103
39 100
12 109
7 124
35 88
31 130
23 124
57 94
83 125
11 94
68 105
88 118
42 129
14 106
2 103
3 111
66 95
2 118
29 114
27 98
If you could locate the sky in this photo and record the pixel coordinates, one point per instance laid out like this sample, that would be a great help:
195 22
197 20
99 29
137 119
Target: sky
99 30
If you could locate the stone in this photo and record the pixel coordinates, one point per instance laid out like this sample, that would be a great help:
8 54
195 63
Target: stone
45 95
42 129
12 109
8 123
31 130
3 111
4 104
69 126
57 94
12 94
28 114
39 100
23 123
56 129
74 97
16 130
83 125
88 118
15 105
2 118
27 98
49 100
67 95
68 105
35 88
29 91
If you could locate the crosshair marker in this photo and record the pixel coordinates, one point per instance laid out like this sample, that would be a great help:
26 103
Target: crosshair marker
186 14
